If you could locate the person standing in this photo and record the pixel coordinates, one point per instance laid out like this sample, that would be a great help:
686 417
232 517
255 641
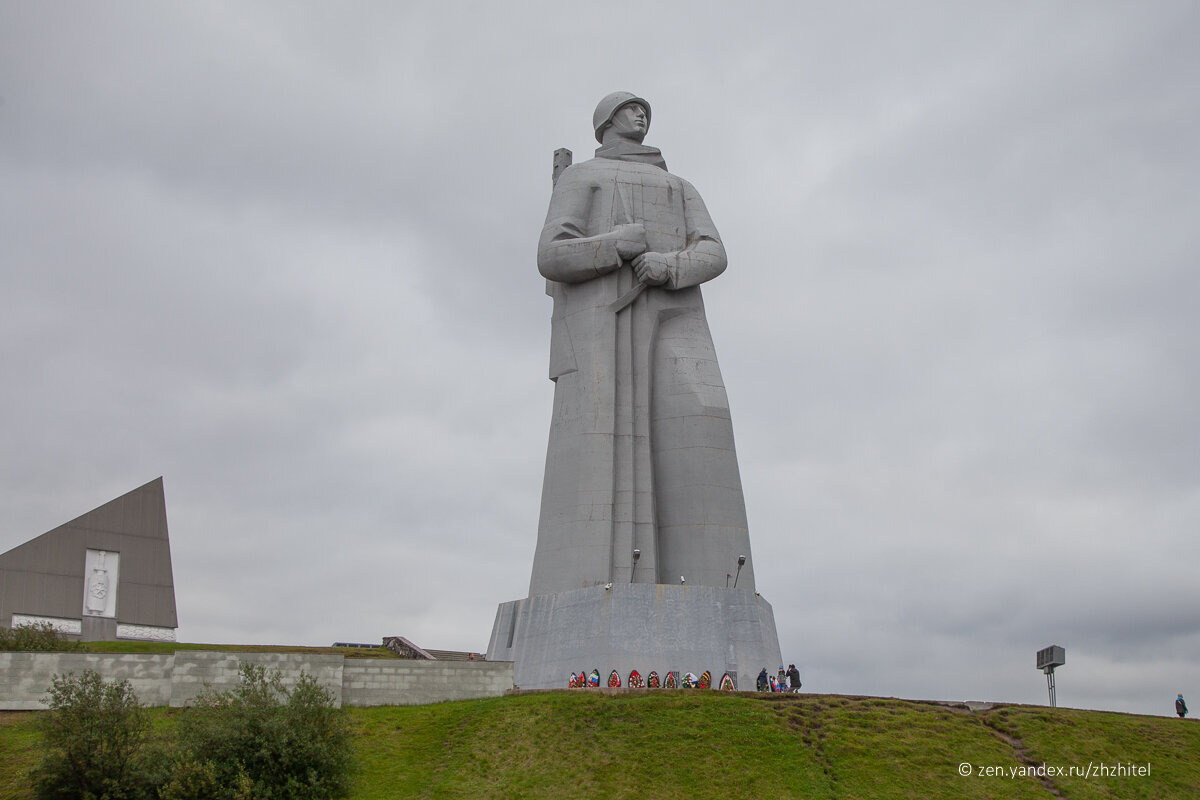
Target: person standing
1180 707
793 677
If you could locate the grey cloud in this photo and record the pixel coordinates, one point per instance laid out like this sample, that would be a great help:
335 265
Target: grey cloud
285 259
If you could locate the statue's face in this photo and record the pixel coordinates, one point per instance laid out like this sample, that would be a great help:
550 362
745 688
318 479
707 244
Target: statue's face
631 122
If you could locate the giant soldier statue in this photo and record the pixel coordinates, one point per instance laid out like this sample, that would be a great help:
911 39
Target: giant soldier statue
641 446
641 489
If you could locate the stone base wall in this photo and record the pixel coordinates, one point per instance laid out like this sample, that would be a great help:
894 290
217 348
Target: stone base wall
176 679
642 626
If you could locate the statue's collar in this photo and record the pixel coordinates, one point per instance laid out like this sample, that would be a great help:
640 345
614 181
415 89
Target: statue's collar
626 150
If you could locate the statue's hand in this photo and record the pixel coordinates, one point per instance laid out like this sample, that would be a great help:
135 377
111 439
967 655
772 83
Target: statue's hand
651 269
631 240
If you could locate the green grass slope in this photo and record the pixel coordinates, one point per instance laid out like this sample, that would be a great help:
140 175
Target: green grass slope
664 745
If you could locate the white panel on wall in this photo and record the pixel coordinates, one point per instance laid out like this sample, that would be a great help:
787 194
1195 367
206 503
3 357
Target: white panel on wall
145 632
71 626
100 572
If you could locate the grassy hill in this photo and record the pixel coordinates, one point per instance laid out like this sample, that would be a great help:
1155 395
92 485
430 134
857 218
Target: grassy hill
679 744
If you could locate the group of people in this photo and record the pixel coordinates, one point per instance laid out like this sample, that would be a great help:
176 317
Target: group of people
784 681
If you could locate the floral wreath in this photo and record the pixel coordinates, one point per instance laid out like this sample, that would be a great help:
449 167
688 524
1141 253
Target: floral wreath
614 680
652 681
635 680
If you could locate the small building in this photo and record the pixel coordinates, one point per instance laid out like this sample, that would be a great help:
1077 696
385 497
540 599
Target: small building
102 576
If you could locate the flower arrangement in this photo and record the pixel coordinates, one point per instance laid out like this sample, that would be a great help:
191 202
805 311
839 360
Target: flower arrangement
671 682
635 680
574 682
614 680
706 680
594 678
652 681
727 683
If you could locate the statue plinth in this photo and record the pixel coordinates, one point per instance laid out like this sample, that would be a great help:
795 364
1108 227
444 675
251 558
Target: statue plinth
642 626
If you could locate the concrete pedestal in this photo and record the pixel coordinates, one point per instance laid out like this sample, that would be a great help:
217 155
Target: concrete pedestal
642 626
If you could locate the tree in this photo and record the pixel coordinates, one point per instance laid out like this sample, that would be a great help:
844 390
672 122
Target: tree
93 735
264 741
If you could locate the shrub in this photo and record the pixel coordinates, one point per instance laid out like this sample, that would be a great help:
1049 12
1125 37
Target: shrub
93 735
41 636
195 780
264 741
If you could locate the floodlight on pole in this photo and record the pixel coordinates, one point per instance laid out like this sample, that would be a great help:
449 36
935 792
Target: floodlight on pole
741 563
1047 659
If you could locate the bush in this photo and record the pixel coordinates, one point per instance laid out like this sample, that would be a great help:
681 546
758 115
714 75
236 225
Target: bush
264 741
93 734
259 741
194 780
40 636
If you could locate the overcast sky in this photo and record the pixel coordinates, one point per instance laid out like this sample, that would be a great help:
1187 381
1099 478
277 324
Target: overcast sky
283 255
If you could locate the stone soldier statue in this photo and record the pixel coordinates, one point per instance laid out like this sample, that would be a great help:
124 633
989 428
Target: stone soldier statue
641 481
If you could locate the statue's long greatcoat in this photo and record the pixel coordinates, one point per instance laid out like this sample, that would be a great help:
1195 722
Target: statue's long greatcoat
641 452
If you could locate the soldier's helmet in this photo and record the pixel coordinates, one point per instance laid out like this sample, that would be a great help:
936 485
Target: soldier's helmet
610 105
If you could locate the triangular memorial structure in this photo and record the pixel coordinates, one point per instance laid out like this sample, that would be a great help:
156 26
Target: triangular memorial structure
102 576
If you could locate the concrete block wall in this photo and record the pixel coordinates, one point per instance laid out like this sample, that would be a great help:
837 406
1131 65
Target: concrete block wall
175 680
196 669
384 682
24 677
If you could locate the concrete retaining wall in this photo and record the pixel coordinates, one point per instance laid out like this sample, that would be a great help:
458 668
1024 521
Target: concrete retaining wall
25 677
380 682
196 669
176 679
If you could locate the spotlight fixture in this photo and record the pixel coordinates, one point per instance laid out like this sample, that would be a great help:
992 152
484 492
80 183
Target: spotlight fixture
741 563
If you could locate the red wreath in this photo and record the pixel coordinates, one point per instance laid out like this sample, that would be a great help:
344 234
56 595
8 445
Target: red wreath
614 680
635 680
706 680
652 681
